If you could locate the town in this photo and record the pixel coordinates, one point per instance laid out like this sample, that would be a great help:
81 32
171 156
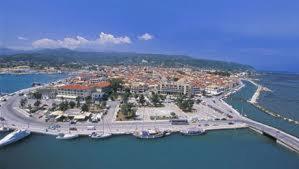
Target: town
143 101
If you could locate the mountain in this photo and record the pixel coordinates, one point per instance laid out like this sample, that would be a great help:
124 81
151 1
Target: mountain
57 57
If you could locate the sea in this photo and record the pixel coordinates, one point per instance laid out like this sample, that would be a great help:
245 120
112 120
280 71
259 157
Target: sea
225 149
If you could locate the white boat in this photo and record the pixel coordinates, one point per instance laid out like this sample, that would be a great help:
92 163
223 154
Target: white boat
95 135
4 129
148 134
66 136
193 131
14 136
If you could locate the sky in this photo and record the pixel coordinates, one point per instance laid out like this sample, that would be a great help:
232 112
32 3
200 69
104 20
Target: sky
264 34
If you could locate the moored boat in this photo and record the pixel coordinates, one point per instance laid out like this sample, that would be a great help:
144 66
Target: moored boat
193 131
148 134
95 135
14 136
66 136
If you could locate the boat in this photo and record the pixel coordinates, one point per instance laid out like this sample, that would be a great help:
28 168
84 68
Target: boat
4 129
95 135
64 136
167 132
148 134
14 136
193 132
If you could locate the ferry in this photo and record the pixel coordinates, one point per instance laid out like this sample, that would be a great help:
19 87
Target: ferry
14 136
95 135
193 132
148 134
63 136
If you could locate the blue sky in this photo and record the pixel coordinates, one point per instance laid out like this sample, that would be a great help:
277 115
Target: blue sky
264 34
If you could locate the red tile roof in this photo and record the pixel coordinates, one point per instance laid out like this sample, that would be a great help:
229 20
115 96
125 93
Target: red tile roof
101 84
76 87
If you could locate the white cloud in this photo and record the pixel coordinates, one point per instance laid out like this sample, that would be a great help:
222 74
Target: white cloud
108 38
146 36
22 38
72 43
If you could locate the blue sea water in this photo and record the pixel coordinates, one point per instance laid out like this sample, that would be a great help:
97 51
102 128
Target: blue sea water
13 82
227 149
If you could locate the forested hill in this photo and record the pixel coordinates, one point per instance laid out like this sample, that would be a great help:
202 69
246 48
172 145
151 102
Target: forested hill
58 57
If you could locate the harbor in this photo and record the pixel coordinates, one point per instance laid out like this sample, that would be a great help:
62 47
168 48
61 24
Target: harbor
131 128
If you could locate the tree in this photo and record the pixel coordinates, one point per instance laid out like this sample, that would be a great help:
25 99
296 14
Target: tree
126 95
88 99
23 102
37 103
72 104
141 99
63 106
186 104
84 108
155 98
116 84
78 101
37 95
128 110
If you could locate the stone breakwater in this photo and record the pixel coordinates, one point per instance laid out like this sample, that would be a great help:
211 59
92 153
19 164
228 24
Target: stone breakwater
254 102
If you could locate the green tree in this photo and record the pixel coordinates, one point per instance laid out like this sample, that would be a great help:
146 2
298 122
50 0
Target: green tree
141 99
156 100
78 101
37 103
23 102
116 84
63 106
126 95
37 95
128 110
72 104
85 108
88 100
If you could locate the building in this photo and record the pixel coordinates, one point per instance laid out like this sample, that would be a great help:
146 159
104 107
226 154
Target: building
73 91
174 88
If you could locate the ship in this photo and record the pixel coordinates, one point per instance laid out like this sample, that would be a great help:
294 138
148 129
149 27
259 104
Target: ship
148 134
14 136
193 131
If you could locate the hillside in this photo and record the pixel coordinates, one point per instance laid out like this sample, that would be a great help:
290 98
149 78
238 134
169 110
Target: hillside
57 57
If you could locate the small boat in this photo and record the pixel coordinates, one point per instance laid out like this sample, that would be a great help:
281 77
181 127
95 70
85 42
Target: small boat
63 136
193 132
167 132
4 129
14 136
95 135
148 134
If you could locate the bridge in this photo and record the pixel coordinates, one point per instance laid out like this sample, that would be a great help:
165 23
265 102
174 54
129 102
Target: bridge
279 136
